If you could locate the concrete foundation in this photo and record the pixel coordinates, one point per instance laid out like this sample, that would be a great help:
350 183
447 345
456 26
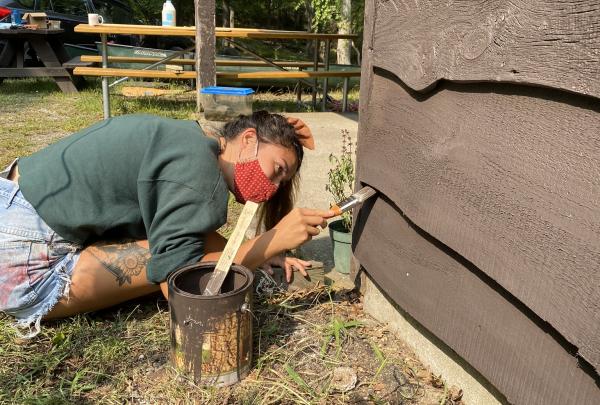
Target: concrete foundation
430 350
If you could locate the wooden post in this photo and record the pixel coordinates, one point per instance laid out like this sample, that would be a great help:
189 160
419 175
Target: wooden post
205 46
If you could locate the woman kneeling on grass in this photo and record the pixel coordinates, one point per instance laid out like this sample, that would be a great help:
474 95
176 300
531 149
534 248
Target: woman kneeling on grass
106 214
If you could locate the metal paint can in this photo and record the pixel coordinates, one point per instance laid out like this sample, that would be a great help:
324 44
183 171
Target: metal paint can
211 336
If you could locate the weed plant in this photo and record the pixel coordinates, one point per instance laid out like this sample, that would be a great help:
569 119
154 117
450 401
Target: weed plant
341 176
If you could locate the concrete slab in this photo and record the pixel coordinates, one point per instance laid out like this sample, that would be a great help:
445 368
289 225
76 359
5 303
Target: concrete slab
315 277
327 131
338 281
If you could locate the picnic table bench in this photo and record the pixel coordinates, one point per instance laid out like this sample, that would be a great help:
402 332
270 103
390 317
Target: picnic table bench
229 34
49 49
192 62
164 74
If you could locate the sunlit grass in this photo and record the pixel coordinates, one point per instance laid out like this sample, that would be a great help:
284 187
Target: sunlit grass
34 113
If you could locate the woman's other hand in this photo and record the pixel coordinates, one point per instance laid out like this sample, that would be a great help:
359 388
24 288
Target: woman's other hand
299 226
288 264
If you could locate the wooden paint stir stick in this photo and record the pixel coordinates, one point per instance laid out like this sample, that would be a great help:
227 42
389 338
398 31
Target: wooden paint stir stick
233 244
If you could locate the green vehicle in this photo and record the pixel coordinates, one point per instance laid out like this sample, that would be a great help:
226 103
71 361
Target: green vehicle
136 51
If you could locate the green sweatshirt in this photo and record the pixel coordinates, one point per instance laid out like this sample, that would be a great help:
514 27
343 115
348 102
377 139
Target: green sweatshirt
134 176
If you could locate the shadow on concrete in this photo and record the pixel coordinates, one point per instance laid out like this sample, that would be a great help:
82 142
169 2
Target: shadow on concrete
318 249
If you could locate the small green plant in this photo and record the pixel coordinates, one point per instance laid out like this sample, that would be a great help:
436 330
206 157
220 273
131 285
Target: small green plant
337 331
341 176
297 379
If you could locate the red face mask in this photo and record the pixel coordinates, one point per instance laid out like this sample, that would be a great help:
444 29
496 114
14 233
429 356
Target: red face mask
251 183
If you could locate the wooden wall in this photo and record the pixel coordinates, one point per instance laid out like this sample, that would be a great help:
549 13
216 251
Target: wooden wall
480 126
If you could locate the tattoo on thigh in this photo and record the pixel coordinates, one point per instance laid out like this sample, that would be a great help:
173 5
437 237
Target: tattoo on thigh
124 260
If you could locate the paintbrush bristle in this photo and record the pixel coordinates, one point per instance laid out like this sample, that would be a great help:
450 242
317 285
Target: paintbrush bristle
364 193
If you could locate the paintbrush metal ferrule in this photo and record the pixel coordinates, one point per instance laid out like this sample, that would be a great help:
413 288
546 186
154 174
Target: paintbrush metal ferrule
354 200
348 204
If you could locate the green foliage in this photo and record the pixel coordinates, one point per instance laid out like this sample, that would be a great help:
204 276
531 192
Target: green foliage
325 14
341 176
382 360
147 11
336 331
301 15
297 379
69 360
284 14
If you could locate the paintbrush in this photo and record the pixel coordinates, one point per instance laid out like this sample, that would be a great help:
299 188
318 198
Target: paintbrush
354 200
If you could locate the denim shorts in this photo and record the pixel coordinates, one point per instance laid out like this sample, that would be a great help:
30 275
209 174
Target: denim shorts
36 264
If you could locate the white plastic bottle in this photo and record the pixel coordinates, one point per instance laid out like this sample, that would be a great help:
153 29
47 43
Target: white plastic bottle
168 14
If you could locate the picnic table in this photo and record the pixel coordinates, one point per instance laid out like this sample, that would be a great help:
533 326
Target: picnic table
228 34
49 49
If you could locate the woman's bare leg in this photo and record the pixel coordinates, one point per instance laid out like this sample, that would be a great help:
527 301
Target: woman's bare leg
107 274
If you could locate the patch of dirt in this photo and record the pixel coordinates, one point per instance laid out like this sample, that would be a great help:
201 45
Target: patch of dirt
311 347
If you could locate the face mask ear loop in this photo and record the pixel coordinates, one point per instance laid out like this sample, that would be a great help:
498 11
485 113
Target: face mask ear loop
250 158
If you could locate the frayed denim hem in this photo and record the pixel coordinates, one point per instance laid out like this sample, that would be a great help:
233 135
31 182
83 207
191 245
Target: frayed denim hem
29 327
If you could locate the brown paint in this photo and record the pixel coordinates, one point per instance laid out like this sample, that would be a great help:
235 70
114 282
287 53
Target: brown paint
510 346
489 235
552 44
507 177
211 336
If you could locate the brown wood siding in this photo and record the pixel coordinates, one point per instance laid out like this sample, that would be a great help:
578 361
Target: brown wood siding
508 345
547 43
499 181
508 177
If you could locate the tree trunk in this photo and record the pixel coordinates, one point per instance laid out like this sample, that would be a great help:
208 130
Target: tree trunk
309 20
227 19
225 5
344 24
205 46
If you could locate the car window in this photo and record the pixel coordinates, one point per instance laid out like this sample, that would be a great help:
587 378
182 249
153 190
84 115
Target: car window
71 7
28 4
113 11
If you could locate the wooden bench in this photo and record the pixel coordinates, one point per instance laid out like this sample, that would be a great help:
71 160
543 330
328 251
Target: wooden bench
186 75
77 61
191 62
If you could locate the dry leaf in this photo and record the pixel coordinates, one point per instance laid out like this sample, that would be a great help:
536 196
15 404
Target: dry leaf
437 381
379 387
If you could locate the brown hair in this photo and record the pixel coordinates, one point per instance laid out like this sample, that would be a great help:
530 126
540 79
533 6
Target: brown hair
274 129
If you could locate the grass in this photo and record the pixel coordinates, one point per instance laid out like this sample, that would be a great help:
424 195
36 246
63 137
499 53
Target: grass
70 359
33 113
121 355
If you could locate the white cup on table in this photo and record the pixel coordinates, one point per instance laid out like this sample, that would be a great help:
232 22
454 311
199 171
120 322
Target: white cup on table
95 19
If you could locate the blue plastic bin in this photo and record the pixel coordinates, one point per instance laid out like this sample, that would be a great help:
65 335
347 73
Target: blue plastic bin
226 103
